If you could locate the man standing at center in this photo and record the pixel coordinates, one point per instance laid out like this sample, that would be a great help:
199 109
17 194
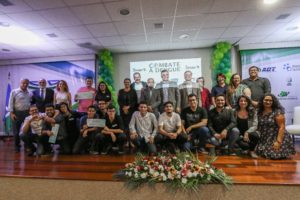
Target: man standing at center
42 96
83 104
168 91
188 87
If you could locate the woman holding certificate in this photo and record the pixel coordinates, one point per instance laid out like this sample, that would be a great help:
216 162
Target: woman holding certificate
62 93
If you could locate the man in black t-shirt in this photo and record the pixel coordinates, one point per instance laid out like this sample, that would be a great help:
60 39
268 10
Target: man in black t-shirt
112 133
194 120
222 125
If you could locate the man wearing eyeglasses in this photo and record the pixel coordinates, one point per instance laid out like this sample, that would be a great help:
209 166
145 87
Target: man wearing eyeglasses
42 96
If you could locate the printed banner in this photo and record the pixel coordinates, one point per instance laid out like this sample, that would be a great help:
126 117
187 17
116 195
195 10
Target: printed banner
176 68
282 68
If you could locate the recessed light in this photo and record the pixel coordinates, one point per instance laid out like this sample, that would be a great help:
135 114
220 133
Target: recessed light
4 24
283 16
124 11
269 1
52 35
184 36
292 28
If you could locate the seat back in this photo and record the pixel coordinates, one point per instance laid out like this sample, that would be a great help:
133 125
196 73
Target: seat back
296 119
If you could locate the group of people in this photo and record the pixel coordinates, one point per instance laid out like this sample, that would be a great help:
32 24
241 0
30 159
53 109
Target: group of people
242 115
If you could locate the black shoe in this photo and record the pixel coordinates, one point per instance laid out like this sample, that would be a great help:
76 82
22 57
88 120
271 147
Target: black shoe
31 151
106 149
172 148
121 150
202 150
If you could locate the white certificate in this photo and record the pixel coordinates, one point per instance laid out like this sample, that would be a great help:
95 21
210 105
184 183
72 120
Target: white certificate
54 130
95 122
85 95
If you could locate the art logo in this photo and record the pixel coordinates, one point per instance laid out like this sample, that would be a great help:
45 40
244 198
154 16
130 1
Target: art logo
268 69
283 94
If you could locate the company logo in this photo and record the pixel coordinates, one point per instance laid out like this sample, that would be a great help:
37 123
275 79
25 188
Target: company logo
268 69
283 94
289 81
289 67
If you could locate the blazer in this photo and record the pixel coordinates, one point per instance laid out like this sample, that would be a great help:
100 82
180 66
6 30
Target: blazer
252 121
153 101
173 94
39 101
184 94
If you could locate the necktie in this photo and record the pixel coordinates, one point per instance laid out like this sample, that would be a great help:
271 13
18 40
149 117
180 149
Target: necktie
42 93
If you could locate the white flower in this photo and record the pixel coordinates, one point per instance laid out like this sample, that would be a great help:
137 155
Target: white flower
155 174
195 174
170 176
189 174
184 180
211 171
164 177
135 170
160 167
144 175
136 175
129 174
145 168
151 171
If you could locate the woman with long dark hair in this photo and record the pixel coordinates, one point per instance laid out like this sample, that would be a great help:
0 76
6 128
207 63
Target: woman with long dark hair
246 118
103 92
275 142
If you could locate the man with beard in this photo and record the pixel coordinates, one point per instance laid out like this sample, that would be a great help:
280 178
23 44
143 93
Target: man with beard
143 127
222 125
170 130
194 120
62 134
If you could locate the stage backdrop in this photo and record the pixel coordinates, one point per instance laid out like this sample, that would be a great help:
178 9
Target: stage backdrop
74 72
282 67
176 68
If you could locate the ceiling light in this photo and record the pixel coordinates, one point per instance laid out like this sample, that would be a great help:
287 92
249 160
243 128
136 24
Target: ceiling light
269 1
292 28
184 36
283 16
4 24
124 11
18 36
52 35
5 50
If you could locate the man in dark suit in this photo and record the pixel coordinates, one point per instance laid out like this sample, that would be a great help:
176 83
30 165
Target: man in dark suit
42 96
168 91
151 96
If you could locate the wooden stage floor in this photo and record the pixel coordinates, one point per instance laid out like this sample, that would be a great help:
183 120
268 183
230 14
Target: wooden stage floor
244 170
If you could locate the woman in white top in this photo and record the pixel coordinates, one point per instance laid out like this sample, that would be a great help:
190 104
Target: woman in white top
62 93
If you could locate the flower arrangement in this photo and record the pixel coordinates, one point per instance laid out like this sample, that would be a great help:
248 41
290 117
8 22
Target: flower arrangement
183 170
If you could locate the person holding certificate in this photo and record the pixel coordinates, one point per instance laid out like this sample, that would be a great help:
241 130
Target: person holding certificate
86 139
85 96
112 133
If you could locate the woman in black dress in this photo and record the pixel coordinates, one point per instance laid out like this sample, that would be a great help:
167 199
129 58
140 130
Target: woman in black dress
127 100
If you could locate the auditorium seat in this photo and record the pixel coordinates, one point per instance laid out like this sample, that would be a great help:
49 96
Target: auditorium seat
294 129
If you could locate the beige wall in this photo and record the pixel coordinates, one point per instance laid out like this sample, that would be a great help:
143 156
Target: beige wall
122 69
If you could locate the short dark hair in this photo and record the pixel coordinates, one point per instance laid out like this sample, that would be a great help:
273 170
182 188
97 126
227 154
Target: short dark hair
220 95
48 105
220 75
167 103
192 95
127 79
110 107
92 106
258 69
164 71
143 102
